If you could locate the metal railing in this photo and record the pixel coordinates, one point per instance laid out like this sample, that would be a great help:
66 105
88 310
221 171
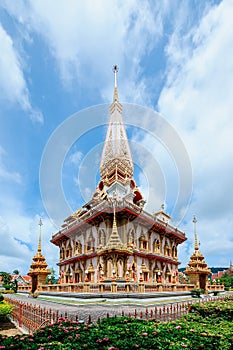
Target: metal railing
31 317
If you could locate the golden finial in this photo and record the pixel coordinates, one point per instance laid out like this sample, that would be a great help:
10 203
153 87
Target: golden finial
39 240
115 95
195 233
114 225
114 239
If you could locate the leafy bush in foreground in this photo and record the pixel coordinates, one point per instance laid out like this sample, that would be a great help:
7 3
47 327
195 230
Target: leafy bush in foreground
192 331
223 309
5 309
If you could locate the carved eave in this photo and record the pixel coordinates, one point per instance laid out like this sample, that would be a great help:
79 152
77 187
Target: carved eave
75 258
123 207
197 271
157 257
38 271
120 249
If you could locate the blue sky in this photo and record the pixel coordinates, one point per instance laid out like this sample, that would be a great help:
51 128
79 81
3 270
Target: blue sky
174 57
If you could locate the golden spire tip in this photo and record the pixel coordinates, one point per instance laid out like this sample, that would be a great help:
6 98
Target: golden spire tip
196 246
115 95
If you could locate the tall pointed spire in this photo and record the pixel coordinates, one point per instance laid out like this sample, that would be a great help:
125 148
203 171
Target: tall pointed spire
114 239
196 246
39 240
116 160
38 269
197 268
115 95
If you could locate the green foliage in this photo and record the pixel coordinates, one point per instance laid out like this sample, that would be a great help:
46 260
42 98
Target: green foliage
8 284
14 286
1 298
15 272
227 280
197 330
216 292
5 309
6 277
196 293
51 279
218 309
7 291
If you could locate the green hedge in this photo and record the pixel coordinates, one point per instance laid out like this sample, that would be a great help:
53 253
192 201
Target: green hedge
7 291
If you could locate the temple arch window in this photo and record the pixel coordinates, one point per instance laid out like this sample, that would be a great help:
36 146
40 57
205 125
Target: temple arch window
120 268
62 253
168 276
109 268
78 247
174 252
143 242
90 244
156 246
68 251
102 238
167 249
131 237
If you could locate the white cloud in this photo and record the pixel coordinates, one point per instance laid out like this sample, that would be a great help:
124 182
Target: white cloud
198 101
75 158
5 174
19 242
87 38
12 82
10 247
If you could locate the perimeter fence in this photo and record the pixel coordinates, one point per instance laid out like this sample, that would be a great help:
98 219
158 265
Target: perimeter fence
30 317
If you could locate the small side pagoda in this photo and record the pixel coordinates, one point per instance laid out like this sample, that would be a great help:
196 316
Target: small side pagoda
197 268
38 269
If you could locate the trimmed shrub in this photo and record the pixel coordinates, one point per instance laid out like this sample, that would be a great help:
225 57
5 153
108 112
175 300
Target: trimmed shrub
5 309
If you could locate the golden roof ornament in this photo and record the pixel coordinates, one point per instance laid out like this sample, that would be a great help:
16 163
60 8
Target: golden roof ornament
116 161
114 239
39 265
197 268
196 245
115 95
39 240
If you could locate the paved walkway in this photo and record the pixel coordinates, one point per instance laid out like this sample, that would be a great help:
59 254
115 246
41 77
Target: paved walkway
98 309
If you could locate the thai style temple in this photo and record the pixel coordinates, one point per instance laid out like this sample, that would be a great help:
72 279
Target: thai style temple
112 237
38 269
197 268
